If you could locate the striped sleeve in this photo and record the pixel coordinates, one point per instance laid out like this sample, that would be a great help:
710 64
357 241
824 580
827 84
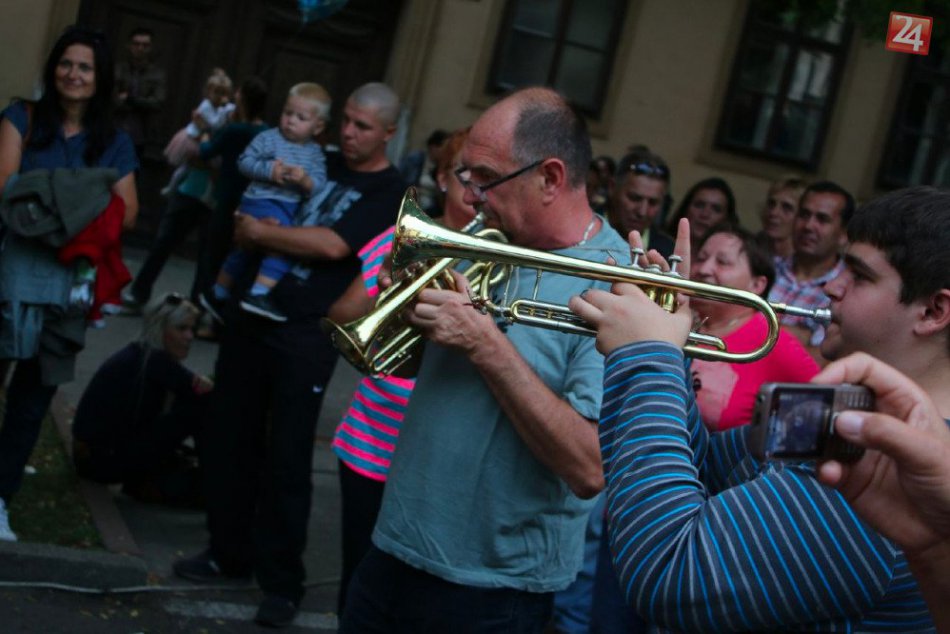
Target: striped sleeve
257 160
776 551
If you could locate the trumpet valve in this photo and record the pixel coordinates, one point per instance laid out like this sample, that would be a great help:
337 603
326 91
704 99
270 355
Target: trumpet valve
668 300
635 254
674 262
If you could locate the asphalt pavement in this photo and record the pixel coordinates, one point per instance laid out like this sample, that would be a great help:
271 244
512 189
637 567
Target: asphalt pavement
51 589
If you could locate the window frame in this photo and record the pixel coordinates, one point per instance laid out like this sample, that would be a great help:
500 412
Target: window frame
915 71
797 40
506 31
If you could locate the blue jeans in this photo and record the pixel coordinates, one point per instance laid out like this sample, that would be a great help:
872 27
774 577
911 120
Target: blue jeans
28 401
272 266
573 605
387 595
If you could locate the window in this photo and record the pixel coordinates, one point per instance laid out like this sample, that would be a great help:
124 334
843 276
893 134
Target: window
783 86
566 44
918 148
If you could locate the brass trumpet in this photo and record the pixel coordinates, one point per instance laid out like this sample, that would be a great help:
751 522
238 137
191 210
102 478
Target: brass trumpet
418 238
380 342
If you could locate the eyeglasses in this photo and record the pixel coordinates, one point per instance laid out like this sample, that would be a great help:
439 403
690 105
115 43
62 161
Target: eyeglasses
481 190
650 169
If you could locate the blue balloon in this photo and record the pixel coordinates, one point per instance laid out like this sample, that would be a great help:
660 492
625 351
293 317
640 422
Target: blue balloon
319 9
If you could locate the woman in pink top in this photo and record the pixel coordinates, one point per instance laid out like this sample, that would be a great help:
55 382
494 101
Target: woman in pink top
725 392
366 437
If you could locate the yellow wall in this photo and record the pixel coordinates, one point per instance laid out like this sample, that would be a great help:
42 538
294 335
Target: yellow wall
27 30
667 89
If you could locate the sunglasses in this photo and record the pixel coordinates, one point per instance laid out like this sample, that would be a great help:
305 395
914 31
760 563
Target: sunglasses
174 299
650 169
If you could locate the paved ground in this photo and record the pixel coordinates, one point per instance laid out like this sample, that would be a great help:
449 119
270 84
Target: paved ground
163 534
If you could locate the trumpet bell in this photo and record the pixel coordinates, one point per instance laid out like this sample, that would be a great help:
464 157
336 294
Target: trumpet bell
380 342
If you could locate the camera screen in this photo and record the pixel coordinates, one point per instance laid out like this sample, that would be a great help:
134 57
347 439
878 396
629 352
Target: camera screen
798 421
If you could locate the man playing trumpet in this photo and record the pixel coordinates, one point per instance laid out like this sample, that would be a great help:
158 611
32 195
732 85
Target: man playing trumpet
484 511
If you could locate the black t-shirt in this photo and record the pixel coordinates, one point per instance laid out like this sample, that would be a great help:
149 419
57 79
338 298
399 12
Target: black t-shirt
358 206
125 395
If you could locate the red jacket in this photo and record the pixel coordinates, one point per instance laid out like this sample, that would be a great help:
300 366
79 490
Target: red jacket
99 242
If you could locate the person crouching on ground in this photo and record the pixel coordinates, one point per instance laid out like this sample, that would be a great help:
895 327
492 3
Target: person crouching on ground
139 407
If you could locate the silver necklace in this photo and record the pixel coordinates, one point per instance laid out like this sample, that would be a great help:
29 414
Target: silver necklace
590 227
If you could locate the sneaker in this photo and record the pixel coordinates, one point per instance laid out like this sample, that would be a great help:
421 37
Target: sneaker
276 611
204 569
212 306
263 305
6 533
110 309
97 324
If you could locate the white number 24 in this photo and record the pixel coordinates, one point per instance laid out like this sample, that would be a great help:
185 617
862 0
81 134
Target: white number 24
908 35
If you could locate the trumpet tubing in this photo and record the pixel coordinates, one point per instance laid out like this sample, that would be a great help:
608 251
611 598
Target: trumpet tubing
418 238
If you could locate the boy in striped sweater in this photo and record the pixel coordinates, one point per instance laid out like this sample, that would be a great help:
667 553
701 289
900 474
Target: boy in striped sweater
286 166
704 537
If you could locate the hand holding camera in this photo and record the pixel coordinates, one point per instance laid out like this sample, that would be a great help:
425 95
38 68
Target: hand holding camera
902 484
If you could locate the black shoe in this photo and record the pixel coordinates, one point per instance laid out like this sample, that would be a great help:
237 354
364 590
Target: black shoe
263 305
204 569
212 306
276 611
131 305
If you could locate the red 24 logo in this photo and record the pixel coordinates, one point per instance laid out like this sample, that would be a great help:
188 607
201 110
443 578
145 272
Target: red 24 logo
908 33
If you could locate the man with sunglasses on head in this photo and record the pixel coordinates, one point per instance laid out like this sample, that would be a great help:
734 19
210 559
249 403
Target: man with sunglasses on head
492 481
637 195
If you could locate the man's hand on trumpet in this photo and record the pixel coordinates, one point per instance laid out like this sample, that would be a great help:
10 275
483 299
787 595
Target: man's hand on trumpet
626 314
446 317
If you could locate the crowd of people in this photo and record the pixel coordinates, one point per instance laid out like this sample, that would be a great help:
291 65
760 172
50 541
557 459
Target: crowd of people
507 477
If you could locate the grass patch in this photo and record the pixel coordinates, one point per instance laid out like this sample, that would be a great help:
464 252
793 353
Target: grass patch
48 507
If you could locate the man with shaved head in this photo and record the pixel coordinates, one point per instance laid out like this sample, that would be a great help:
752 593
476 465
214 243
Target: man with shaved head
270 376
490 486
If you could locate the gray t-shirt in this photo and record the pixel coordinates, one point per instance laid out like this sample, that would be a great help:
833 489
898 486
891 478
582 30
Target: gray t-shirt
466 500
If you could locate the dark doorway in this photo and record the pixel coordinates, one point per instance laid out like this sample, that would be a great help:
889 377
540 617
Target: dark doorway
263 37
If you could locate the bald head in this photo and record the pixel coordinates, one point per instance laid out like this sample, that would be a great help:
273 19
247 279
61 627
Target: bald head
541 124
379 97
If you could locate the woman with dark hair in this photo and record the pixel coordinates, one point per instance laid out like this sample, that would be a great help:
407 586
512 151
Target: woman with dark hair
70 126
725 392
707 203
140 405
